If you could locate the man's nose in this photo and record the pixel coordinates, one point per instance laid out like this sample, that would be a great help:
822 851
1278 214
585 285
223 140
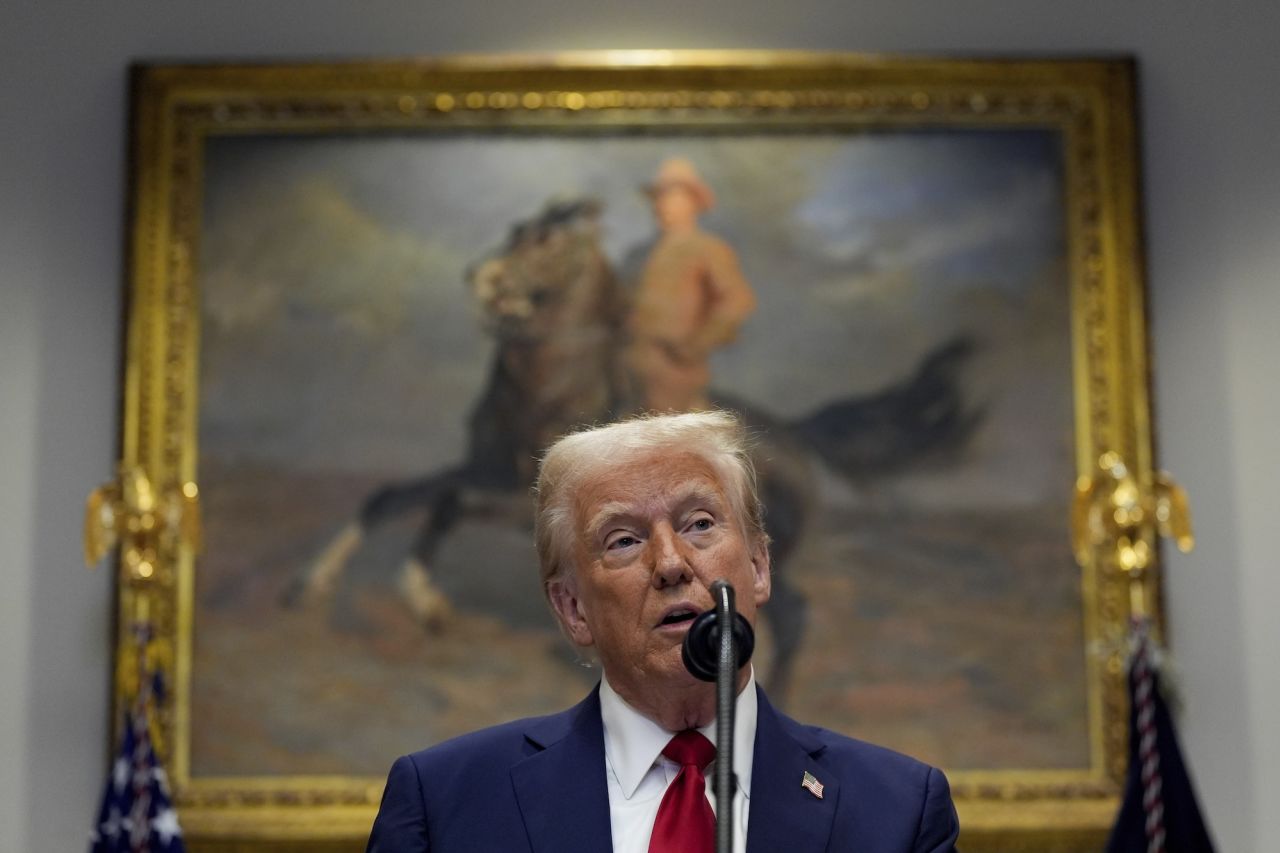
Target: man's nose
670 565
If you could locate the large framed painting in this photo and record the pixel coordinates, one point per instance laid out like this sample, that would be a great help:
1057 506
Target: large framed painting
363 296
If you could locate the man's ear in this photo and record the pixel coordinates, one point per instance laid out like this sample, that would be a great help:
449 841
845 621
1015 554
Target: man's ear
563 594
762 576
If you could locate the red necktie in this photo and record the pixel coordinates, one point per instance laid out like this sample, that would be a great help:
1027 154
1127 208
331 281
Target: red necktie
685 822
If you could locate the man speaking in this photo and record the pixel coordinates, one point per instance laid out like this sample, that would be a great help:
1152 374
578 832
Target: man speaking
635 521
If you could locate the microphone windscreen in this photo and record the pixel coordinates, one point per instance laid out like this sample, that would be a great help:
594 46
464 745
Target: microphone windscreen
701 651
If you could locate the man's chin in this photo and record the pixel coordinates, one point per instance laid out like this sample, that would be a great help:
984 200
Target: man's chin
676 674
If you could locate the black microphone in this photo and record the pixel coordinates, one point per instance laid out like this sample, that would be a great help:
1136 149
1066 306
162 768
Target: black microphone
701 650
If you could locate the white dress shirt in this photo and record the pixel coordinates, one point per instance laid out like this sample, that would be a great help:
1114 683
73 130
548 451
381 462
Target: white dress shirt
639 774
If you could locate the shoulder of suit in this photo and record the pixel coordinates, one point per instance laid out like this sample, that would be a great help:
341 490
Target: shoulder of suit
485 744
883 766
507 738
843 744
849 755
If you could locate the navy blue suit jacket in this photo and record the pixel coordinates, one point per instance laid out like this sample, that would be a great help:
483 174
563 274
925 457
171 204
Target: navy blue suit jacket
538 785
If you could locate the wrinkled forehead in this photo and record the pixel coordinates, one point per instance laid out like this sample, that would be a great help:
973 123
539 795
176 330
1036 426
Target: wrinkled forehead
647 484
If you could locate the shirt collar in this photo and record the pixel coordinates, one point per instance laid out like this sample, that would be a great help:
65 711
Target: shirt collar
633 742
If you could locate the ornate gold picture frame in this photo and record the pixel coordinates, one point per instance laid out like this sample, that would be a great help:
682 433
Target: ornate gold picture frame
215 150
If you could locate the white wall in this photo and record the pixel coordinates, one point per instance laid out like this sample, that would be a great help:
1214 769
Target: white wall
1212 120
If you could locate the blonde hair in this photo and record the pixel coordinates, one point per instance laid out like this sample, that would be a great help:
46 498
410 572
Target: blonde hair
584 456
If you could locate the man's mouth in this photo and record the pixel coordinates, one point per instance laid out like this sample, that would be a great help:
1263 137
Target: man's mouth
675 617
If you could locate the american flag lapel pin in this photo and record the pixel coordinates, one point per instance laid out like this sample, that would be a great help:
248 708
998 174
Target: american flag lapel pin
811 783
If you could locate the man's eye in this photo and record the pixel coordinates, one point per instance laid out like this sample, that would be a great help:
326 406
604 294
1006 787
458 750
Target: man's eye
702 524
622 542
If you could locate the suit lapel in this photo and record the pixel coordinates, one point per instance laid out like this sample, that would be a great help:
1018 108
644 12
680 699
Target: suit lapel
562 789
784 814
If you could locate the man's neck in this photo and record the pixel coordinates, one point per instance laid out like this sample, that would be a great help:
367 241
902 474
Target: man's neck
680 229
688 705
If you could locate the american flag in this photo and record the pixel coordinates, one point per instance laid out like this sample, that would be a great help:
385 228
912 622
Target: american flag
812 784
1159 812
137 815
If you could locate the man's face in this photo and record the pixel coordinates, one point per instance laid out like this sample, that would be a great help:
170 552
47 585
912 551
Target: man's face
651 537
675 207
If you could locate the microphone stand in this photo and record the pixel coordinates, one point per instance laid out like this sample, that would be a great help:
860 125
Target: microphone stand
726 781
713 651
